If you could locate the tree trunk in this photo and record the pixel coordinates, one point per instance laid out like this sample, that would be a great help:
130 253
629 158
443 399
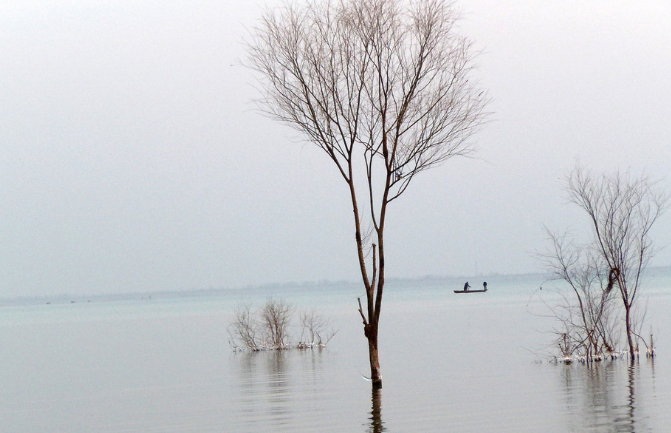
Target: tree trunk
375 374
630 341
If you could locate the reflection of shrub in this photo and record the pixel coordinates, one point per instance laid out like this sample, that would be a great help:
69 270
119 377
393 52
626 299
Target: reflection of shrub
268 329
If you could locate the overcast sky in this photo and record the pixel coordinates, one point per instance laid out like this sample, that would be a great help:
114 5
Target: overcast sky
132 158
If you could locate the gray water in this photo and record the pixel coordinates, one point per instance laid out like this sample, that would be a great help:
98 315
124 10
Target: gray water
459 363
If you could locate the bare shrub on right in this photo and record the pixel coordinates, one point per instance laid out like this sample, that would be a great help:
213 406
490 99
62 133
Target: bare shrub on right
622 210
316 330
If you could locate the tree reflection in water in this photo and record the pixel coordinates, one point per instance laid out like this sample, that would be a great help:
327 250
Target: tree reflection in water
601 398
629 420
265 388
376 424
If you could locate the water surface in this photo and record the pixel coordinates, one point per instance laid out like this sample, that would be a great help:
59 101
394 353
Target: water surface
462 363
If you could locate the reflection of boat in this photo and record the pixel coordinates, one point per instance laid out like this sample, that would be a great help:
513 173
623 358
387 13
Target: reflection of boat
470 291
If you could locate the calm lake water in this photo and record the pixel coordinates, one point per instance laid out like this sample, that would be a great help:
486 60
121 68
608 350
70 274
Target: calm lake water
458 363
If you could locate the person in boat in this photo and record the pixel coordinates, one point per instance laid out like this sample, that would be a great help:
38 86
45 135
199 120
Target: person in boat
484 285
466 287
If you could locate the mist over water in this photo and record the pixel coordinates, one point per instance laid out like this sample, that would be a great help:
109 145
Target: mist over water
462 363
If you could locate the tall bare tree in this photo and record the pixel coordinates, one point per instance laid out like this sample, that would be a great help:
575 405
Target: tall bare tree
622 210
383 88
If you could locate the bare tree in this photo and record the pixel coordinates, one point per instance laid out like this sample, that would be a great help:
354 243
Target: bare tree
383 88
622 211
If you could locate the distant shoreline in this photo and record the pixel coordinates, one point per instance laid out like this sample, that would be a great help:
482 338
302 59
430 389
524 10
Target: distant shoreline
64 298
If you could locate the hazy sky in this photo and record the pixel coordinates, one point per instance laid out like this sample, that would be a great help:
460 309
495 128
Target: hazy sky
132 157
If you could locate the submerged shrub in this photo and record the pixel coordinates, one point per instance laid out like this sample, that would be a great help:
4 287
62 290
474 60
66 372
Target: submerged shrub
268 328
315 330
244 330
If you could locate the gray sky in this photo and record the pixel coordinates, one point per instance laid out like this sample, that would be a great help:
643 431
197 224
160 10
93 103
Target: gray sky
132 158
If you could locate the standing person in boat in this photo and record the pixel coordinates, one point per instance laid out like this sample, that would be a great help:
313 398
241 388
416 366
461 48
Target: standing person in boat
466 287
484 285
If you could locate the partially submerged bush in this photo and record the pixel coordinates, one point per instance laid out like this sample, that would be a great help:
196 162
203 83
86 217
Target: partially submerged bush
244 329
315 330
622 210
268 329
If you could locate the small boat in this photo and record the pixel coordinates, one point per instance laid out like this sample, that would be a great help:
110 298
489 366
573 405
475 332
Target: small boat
470 291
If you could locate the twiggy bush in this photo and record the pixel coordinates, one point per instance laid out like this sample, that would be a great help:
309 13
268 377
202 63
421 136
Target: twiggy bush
588 322
275 317
244 330
315 330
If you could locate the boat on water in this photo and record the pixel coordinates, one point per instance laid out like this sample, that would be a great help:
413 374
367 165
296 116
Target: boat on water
468 286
